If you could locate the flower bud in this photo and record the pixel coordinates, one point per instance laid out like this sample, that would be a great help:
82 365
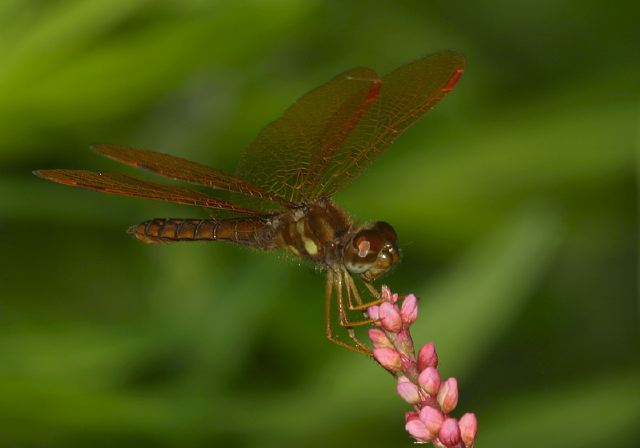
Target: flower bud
427 356
385 293
407 390
411 415
432 419
468 428
418 430
388 358
379 339
390 317
409 310
374 313
449 432
448 395
429 380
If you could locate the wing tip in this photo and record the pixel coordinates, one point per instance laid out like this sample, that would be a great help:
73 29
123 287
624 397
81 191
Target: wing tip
453 80
45 174
58 176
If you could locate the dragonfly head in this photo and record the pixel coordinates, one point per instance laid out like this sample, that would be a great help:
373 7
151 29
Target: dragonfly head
372 251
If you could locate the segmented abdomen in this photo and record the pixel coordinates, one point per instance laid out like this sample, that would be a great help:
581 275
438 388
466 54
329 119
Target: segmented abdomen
254 232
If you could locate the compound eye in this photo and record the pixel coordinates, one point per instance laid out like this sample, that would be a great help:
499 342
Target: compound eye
387 232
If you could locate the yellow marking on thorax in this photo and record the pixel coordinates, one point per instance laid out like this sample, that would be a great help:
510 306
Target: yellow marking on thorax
309 245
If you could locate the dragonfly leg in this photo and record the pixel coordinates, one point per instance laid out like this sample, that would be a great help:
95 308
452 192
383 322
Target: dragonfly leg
374 292
358 347
352 292
344 318
353 289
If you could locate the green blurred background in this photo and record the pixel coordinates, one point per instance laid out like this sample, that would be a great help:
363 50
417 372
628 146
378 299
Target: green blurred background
515 201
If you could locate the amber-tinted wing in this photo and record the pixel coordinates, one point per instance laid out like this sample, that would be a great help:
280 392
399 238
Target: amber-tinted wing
288 152
332 134
122 185
185 170
406 94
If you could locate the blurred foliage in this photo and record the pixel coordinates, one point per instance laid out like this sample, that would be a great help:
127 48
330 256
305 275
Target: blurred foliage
515 200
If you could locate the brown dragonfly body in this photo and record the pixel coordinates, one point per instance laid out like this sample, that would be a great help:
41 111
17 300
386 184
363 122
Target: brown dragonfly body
304 231
280 196
319 232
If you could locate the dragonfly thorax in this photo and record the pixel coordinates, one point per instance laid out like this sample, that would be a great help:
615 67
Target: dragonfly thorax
324 234
317 231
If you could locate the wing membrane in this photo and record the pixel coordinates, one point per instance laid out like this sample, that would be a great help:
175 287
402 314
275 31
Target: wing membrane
182 169
321 143
120 184
405 95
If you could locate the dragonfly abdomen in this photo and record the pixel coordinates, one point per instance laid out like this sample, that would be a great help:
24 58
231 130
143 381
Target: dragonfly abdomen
246 231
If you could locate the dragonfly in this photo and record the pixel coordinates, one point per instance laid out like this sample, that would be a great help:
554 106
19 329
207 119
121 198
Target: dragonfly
279 198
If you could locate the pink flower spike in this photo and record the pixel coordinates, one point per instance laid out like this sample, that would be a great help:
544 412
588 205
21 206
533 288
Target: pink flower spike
432 419
418 430
409 309
448 395
427 357
429 380
418 381
374 313
407 390
390 317
468 428
379 339
449 432
388 358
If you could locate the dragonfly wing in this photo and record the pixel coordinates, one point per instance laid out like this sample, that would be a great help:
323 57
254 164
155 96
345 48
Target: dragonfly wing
184 170
287 154
120 184
405 95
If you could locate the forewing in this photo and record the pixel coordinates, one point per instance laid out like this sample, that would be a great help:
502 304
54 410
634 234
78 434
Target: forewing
185 170
404 96
120 184
288 154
